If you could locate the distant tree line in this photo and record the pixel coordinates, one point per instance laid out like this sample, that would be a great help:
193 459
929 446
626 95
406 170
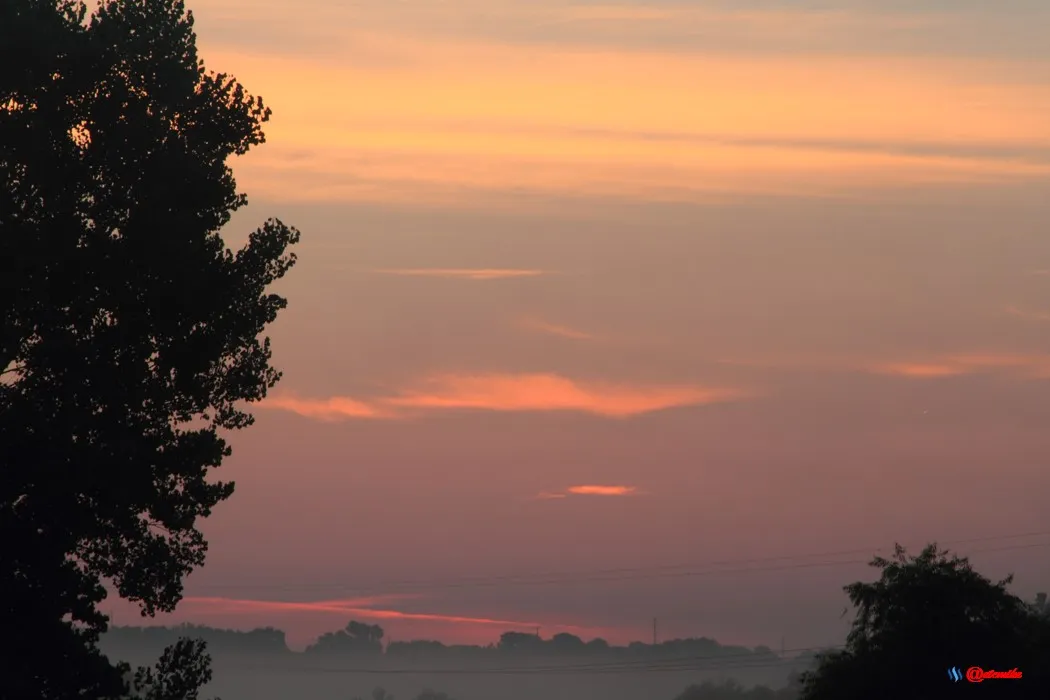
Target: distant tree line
926 613
265 640
708 690
361 639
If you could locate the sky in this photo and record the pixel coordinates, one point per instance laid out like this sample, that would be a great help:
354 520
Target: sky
643 286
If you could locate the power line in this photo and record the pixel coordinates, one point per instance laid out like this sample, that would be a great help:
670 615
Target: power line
1034 545
629 573
693 663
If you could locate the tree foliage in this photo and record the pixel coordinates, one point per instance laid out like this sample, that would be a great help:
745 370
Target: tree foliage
925 614
428 694
734 690
183 669
356 637
129 331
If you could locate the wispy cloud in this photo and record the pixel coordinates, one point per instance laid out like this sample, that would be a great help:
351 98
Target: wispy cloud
632 26
774 26
510 393
551 392
589 490
1031 366
538 325
464 273
528 166
919 370
346 605
1033 315
596 490
331 409
356 607
616 123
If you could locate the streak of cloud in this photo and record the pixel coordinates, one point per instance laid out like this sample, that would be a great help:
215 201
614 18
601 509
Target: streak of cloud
630 26
649 170
538 325
335 408
551 392
1030 366
919 370
242 605
795 363
767 25
943 366
597 490
1028 314
467 274
355 607
615 123
510 393
588 490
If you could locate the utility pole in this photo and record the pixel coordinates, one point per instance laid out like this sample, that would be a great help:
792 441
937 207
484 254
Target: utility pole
537 632
654 631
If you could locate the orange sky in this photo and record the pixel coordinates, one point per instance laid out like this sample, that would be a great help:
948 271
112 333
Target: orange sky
587 287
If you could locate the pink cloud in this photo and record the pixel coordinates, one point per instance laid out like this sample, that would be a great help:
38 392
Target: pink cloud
358 607
509 393
306 620
918 370
1032 366
550 392
595 490
935 367
243 605
589 490
331 409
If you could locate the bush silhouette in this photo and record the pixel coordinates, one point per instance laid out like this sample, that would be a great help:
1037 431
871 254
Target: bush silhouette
926 614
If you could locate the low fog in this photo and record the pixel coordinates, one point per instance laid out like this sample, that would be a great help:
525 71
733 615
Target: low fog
355 663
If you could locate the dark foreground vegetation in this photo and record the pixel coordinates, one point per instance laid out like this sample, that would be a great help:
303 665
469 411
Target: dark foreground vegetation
924 614
131 336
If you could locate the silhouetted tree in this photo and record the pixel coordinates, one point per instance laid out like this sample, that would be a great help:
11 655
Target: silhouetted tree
733 690
598 645
519 642
183 669
129 332
926 614
357 637
120 640
565 643
433 695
